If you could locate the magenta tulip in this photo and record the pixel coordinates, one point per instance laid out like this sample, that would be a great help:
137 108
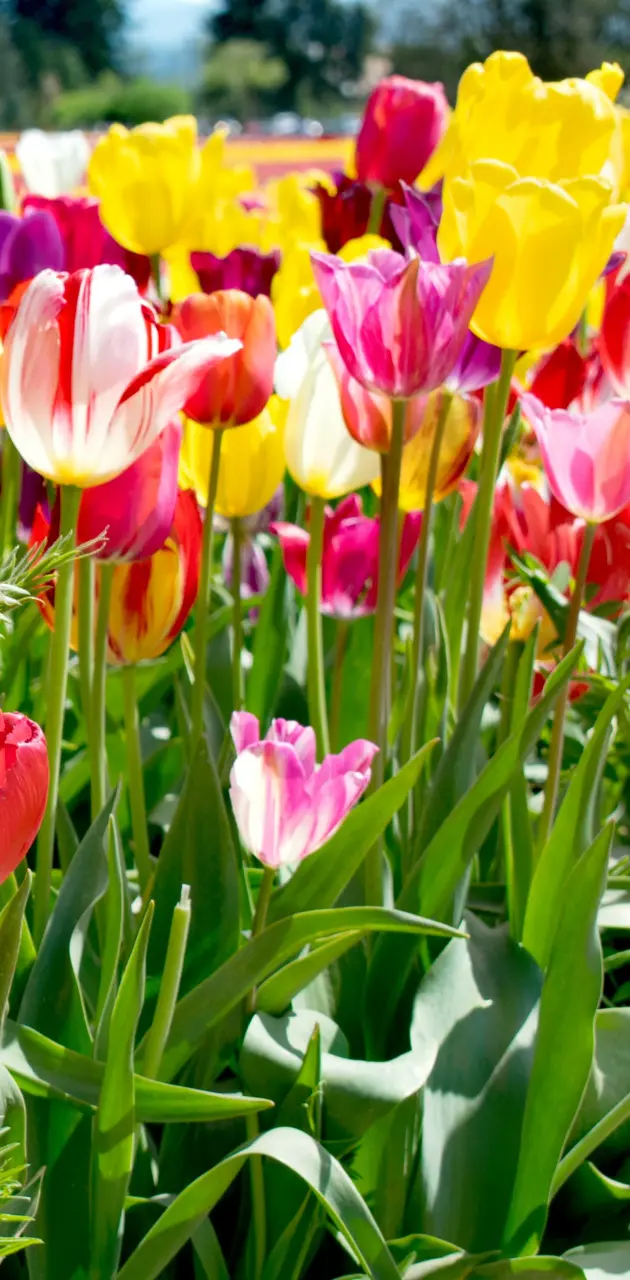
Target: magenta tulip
23 788
349 557
134 512
402 125
85 241
400 323
285 805
586 456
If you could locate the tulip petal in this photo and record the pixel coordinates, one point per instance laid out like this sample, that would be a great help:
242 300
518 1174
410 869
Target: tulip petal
245 730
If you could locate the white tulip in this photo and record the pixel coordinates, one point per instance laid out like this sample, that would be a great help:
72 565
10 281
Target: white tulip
321 455
53 164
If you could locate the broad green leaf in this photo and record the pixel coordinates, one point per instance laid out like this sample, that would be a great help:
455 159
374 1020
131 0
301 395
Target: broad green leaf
276 993
261 956
198 851
384 1164
356 1093
604 1114
11 927
601 1261
115 1120
45 1069
270 645
530 1269
310 1162
114 929
453 774
432 884
52 1002
573 829
320 879
564 1045
475 1012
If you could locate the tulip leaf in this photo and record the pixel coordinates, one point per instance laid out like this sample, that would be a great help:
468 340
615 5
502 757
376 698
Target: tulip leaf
573 830
604 1114
11 927
600 1261
310 1162
112 942
270 645
113 1146
45 1069
52 1001
199 851
475 1015
569 1000
320 879
433 882
277 992
202 1007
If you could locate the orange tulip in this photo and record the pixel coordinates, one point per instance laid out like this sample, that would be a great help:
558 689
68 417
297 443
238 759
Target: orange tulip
232 395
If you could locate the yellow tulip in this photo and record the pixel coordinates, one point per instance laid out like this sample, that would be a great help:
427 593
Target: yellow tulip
147 179
293 291
556 131
252 462
458 442
549 242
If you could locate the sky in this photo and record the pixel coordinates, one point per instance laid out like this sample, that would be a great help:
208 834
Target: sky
167 21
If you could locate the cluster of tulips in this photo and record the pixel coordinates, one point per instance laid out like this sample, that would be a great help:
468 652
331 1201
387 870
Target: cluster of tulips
176 341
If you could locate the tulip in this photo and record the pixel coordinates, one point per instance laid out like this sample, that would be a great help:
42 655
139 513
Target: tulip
134 512
402 125
251 466
245 268
459 434
239 392
560 378
345 211
349 557
555 131
416 222
549 243
147 180
151 599
24 776
614 342
86 242
399 324
285 805
27 245
320 454
53 163
586 456
89 377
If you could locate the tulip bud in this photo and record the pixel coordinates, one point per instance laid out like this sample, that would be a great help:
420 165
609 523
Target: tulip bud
23 788
403 123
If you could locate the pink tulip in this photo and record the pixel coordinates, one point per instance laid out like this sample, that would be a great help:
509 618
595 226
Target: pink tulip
285 805
586 456
403 123
349 558
400 323
89 376
23 788
86 243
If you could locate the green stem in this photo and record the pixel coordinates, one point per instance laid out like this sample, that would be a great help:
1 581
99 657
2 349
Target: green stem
135 778
410 728
377 207
87 582
513 880
203 597
237 617
98 743
9 494
57 685
336 693
156 275
495 406
259 1211
383 631
169 987
557 732
315 675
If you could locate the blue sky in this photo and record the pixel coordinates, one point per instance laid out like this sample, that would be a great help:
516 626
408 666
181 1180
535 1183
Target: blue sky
162 21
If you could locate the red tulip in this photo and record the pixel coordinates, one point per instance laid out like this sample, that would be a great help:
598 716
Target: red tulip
403 123
231 396
23 787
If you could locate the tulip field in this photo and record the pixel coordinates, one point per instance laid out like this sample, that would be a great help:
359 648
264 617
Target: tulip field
315 697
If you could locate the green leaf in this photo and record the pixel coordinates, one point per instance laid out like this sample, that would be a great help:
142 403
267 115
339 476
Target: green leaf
213 998
208 1251
356 1093
573 829
320 879
52 1002
475 1014
45 1069
564 1045
114 930
270 645
278 991
198 851
432 884
310 1162
115 1121
530 1269
11 926
604 1114
601 1261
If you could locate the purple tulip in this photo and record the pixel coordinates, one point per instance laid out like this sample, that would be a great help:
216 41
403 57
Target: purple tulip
244 268
477 365
285 805
400 323
417 221
27 245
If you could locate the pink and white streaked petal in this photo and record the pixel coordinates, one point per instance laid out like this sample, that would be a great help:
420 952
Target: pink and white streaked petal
271 802
333 799
301 738
356 758
245 730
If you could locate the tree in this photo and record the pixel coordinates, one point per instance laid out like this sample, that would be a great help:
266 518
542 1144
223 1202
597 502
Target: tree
91 27
241 79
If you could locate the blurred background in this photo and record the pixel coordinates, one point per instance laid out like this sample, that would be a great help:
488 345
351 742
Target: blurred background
271 67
